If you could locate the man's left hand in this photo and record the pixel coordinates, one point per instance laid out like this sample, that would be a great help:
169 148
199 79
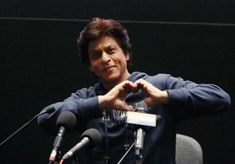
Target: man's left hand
154 96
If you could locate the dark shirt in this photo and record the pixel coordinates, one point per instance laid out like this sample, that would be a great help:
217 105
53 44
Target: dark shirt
186 100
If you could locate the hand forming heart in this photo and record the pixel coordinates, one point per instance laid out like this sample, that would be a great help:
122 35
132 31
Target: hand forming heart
115 98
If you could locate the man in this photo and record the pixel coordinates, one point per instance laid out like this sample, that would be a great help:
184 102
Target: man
105 48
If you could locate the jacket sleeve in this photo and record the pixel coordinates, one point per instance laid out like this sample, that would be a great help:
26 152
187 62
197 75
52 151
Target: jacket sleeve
188 99
83 105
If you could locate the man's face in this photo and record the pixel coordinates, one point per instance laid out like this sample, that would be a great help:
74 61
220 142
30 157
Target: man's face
107 60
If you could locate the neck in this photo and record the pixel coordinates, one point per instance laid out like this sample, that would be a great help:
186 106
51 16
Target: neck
111 84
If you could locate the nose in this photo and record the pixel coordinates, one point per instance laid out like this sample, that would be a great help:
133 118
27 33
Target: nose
105 57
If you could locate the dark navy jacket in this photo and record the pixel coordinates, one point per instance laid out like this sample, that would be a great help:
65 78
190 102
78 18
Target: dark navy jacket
186 100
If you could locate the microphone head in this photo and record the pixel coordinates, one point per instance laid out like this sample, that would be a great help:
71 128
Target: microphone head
67 119
141 107
94 135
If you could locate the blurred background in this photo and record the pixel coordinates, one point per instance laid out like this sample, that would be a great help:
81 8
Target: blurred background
40 64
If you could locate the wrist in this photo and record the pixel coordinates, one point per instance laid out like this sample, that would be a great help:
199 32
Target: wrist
102 102
165 96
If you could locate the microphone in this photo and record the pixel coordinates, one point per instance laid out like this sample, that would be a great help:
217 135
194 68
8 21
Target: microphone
89 138
48 109
66 121
140 133
140 118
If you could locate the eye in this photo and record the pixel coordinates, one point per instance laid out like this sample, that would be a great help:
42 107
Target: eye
111 50
95 55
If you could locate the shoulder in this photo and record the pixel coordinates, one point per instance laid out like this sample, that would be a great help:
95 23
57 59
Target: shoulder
159 77
141 75
87 92
159 80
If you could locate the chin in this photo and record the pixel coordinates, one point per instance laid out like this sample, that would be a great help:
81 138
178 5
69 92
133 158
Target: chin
112 78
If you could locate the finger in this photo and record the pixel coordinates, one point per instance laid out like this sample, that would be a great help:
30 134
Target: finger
141 84
147 87
130 87
148 101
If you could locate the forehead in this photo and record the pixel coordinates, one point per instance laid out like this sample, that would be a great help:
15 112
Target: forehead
101 43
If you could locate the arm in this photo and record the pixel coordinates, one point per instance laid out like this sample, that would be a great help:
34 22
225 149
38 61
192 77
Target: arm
185 98
202 99
87 105
84 105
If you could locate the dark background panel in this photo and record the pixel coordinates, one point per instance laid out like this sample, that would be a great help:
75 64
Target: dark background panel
40 64
170 10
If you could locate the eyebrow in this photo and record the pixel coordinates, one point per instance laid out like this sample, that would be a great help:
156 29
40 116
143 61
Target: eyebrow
106 46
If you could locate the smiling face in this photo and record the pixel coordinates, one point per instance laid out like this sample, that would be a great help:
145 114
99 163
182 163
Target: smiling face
108 61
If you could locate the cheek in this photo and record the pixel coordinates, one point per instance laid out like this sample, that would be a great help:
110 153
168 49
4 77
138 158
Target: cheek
95 68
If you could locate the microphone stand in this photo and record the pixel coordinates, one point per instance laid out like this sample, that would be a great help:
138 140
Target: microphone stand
139 144
47 110
141 118
126 153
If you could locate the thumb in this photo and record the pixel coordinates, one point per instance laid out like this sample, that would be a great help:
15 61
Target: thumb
126 107
148 101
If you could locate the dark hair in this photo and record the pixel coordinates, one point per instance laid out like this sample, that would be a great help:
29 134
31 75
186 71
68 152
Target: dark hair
99 27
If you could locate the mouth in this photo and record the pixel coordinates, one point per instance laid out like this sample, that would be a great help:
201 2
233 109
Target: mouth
108 68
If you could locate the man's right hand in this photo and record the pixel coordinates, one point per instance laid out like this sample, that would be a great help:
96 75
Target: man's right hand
115 98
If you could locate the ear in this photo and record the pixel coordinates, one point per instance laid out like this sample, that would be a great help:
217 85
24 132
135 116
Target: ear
90 68
127 56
